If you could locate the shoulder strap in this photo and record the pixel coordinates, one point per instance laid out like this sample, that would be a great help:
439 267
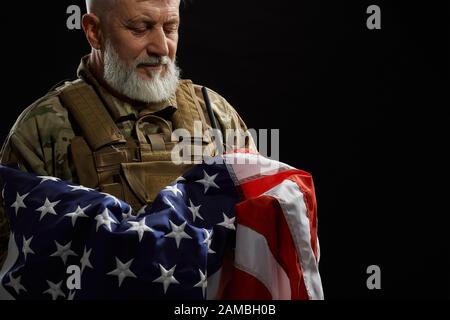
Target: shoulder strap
99 128
89 112
189 110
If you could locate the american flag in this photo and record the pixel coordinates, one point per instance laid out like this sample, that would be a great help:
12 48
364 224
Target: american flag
238 227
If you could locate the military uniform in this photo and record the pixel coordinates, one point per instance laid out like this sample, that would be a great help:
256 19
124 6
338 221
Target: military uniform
81 133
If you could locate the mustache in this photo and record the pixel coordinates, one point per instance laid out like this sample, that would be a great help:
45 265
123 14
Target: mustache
152 60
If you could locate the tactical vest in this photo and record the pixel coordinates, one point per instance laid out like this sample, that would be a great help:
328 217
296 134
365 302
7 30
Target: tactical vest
131 169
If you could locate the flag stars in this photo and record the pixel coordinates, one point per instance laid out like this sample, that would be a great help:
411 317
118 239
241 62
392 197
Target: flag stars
208 181
78 213
55 290
195 210
109 196
122 271
15 284
140 227
48 207
105 219
227 222
47 178
208 240
26 249
63 251
180 179
178 233
128 215
203 283
85 260
80 188
166 277
170 204
19 202
174 189
142 211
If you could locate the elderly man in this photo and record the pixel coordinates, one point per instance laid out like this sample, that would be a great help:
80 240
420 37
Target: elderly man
112 128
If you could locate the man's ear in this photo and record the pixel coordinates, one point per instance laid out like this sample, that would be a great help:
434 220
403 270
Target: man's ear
92 30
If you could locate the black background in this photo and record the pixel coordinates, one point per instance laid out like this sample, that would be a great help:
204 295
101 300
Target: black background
362 110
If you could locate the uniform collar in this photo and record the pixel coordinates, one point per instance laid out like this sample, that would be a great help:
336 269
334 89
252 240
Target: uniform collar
118 108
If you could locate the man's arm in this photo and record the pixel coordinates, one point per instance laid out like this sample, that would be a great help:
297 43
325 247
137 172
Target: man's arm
38 143
228 119
9 156
18 151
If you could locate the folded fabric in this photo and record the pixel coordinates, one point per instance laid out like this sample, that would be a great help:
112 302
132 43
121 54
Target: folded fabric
244 227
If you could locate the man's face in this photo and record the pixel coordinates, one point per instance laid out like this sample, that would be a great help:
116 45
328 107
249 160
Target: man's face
139 29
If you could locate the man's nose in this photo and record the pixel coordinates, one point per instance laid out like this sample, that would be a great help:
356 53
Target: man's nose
158 43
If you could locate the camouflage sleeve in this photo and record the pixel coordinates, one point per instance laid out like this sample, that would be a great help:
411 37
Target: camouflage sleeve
38 143
40 140
234 130
6 156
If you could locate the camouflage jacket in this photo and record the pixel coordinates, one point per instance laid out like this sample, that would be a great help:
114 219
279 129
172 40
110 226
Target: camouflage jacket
40 139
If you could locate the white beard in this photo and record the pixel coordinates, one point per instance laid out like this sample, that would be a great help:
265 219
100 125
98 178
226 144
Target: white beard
125 80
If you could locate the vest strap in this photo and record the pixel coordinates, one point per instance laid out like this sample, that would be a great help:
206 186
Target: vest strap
134 171
84 162
90 114
189 110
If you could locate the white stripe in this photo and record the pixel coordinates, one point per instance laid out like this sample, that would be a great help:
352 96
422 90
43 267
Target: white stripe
292 202
318 250
254 257
13 254
245 166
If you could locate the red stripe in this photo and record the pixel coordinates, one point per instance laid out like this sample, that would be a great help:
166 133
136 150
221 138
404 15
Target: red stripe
261 185
265 216
245 287
305 182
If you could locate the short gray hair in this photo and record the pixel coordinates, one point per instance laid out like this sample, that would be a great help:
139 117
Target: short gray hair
90 4
99 5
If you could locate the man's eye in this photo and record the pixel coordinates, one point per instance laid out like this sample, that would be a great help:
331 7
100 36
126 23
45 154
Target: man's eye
171 28
138 31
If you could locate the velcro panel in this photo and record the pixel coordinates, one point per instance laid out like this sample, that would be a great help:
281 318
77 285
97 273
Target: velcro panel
189 110
91 115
